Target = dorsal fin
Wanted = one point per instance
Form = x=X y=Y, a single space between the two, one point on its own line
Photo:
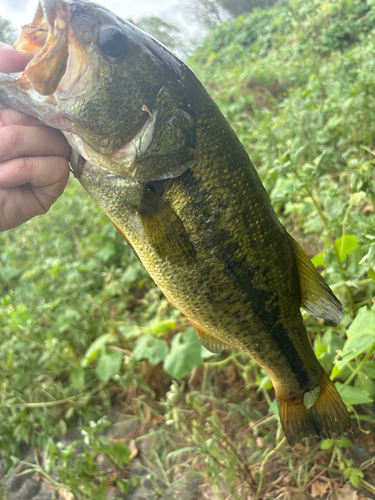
x=316 y=296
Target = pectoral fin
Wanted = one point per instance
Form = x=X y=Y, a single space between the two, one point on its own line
x=165 y=230
x=211 y=343
x=127 y=241
x=316 y=296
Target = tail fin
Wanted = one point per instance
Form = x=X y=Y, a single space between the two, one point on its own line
x=319 y=412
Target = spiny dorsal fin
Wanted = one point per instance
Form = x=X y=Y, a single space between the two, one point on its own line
x=316 y=296
x=211 y=343
x=165 y=230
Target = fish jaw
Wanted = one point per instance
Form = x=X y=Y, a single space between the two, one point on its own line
x=18 y=94
x=48 y=66
x=32 y=92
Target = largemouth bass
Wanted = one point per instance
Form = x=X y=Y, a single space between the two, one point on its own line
x=156 y=154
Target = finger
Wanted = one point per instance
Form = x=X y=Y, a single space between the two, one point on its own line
x=12 y=60
x=17 y=141
x=17 y=205
x=39 y=172
x=9 y=116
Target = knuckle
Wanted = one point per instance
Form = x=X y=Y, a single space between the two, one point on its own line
x=26 y=166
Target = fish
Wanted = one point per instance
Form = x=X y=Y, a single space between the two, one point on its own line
x=153 y=150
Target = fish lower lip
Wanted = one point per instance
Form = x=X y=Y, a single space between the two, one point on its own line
x=8 y=77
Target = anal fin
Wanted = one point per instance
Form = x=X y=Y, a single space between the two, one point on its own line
x=211 y=343
x=316 y=296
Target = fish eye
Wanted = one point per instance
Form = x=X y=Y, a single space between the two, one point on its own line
x=112 y=42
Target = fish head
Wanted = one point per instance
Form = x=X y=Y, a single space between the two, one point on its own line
x=112 y=89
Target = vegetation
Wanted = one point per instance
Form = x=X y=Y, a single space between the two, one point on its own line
x=84 y=328
x=166 y=33
x=7 y=33
x=210 y=13
x=238 y=7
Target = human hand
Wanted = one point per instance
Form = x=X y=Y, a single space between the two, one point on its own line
x=34 y=166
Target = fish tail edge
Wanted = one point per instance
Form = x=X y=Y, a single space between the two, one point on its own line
x=327 y=418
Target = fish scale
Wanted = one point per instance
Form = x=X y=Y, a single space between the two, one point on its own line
x=156 y=154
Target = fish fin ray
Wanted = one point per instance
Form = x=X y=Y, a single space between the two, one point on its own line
x=211 y=343
x=327 y=417
x=165 y=230
x=316 y=296
x=127 y=241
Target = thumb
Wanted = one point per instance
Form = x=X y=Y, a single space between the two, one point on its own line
x=12 y=60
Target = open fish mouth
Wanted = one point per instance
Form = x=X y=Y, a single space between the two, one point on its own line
x=47 y=38
x=61 y=70
x=59 y=59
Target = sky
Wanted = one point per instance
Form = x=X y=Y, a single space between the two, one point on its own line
x=21 y=12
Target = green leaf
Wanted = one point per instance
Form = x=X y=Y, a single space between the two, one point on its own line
x=106 y=251
x=95 y=348
x=206 y=354
x=355 y=475
x=77 y=378
x=109 y=364
x=158 y=351
x=327 y=444
x=346 y=245
x=365 y=382
x=273 y=408
x=371 y=274
x=163 y=326
x=318 y=260
x=128 y=331
x=9 y=272
x=335 y=371
x=131 y=275
x=150 y=348
x=120 y=453
x=353 y=395
x=369 y=369
x=343 y=443
x=361 y=336
x=264 y=383
x=326 y=348
x=185 y=354
x=141 y=348
x=123 y=485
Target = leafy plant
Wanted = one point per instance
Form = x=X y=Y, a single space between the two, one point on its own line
x=75 y=465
